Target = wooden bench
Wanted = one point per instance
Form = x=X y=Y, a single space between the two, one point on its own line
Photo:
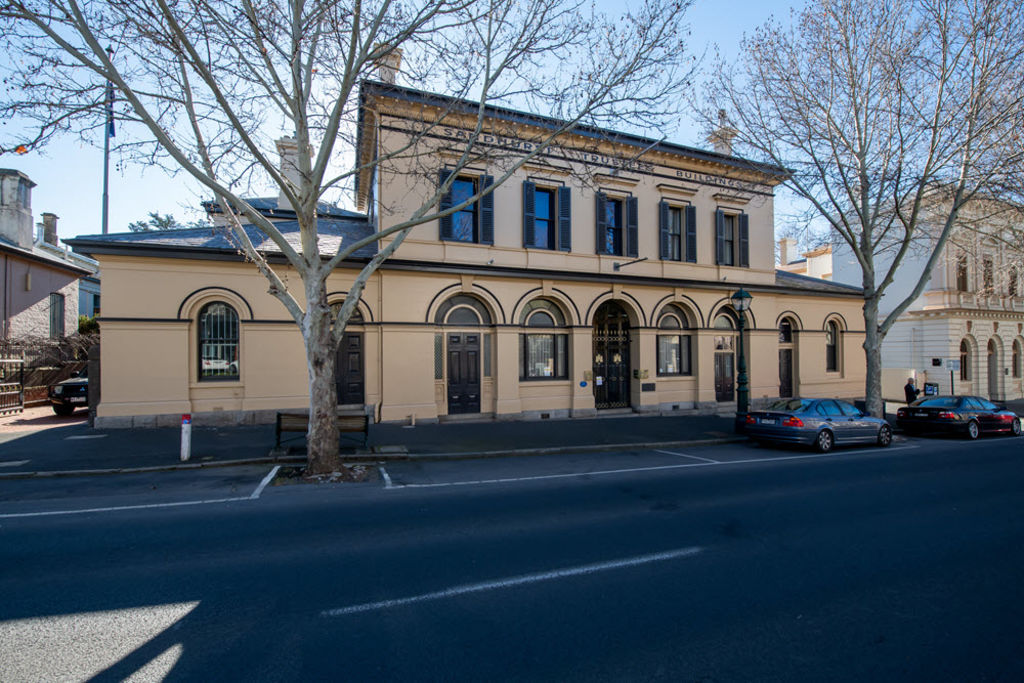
x=348 y=421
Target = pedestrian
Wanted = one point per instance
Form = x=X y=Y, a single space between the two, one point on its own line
x=911 y=391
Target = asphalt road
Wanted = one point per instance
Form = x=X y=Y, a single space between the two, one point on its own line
x=715 y=564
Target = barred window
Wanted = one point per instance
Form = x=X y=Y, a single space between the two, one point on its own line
x=218 y=342
x=674 y=349
x=544 y=356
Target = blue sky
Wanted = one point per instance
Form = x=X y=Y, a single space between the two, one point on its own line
x=69 y=173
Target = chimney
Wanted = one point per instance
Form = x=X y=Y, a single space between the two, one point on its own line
x=50 y=228
x=16 y=207
x=388 y=65
x=722 y=136
x=787 y=249
x=288 y=149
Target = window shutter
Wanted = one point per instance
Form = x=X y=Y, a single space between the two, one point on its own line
x=744 y=241
x=446 y=203
x=602 y=223
x=719 y=237
x=565 y=219
x=487 y=211
x=691 y=234
x=529 y=201
x=665 y=238
x=632 y=226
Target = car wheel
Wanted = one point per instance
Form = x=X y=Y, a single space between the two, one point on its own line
x=825 y=441
x=973 y=430
x=884 y=436
x=63 y=411
x=1015 y=426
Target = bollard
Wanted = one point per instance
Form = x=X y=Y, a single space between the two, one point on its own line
x=186 y=437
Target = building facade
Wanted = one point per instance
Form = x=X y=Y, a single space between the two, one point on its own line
x=596 y=278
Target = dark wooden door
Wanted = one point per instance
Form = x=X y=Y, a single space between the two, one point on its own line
x=724 y=377
x=348 y=369
x=463 y=373
x=611 y=357
x=785 y=373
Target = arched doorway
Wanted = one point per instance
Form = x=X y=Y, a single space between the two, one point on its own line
x=786 y=358
x=611 y=356
x=993 y=370
x=725 y=358
x=463 y=316
x=348 y=360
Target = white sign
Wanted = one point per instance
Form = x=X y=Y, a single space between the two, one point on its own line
x=953 y=364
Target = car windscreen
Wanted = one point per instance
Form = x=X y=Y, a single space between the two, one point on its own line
x=937 y=402
x=790 y=405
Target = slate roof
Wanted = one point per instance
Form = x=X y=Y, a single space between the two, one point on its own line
x=813 y=284
x=332 y=232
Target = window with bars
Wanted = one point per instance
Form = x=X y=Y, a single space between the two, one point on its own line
x=544 y=355
x=674 y=349
x=218 y=342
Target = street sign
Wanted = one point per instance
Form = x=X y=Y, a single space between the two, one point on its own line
x=953 y=364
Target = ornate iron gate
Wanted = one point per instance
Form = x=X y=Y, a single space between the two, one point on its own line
x=12 y=383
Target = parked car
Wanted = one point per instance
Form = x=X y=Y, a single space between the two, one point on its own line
x=70 y=394
x=966 y=415
x=819 y=422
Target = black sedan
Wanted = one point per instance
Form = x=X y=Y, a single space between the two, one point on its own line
x=70 y=394
x=967 y=415
x=819 y=422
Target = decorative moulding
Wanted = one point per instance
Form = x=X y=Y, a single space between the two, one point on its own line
x=679 y=191
x=621 y=181
x=733 y=199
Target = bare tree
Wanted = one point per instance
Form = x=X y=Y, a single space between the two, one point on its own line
x=892 y=116
x=206 y=86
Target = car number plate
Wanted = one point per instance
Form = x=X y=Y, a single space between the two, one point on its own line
x=77 y=399
x=920 y=414
x=767 y=420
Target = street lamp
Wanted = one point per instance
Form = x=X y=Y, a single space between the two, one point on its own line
x=741 y=303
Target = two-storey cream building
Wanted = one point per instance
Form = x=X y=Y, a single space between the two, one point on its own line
x=595 y=278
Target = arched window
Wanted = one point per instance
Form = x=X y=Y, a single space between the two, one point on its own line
x=462 y=309
x=218 y=342
x=961 y=273
x=674 y=342
x=965 y=361
x=724 y=321
x=544 y=355
x=356 y=318
x=786 y=331
x=1016 y=361
x=832 y=346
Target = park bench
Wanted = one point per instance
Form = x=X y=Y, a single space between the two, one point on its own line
x=349 y=422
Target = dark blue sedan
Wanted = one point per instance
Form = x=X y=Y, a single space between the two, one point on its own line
x=819 y=422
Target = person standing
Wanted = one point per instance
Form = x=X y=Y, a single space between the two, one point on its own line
x=911 y=391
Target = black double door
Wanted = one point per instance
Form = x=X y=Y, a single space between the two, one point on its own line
x=611 y=357
x=348 y=369
x=463 y=373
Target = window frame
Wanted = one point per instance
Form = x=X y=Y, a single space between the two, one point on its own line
x=543 y=319
x=683 y=350
x=58 y=315
x=962 y=274
x=832 y=354
x=965 y=361
x=226 y=340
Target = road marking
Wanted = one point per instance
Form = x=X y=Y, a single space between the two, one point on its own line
x=263 y=484
x=85 y=436
x=52 y=513
x=630 y=470
x=515 y=581
x=387 y=478
x=14 y=463
x=687 y=455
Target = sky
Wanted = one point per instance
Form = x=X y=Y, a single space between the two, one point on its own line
x=69 y=173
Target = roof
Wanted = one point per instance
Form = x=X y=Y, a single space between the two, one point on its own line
x=550 y=123
x=218 y=240
x=41 y=256
x=269 y=206
x=794 y=281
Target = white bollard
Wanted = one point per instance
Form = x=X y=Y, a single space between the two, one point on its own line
x=186 y=437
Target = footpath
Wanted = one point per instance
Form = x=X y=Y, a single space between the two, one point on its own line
x=36 y=444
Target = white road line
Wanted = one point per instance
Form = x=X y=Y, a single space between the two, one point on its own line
x=687 y=455
x=387 y=478
x=14 y=463
x=515 y=581
x=85 y=436
x=630 y=470
x=263 y=484
x=120 y=507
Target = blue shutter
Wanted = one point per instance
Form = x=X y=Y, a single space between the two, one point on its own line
x=602 y=223
x=632 y=226
x=665 y=238
x=691 y=234
x=486 y=211
x=529 y=222
x=446 y=203
x=565 y=219
x=744 y=241
x=719 y=237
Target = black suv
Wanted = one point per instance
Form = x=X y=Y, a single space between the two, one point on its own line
x=71 y=393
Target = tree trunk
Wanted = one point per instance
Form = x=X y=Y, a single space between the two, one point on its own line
x=873 y=352
x=322 y=437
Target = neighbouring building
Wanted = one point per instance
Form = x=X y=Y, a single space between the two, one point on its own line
x=548 y=298
x=39 y=290
x=964 y=332
x=816 y=263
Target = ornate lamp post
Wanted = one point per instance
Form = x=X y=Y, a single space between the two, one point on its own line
x=741 y=302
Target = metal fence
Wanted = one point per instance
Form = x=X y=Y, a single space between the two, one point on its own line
x=12 y=383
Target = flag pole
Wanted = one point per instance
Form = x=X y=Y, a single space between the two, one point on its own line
x=108 y=132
